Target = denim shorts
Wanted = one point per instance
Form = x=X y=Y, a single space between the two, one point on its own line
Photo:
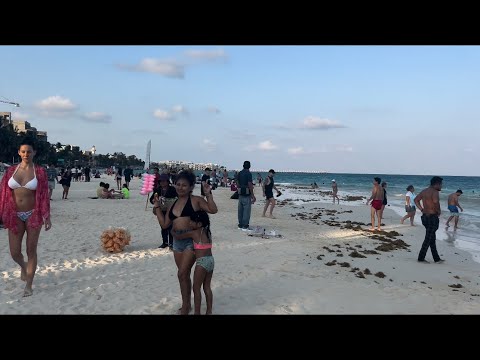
x=206 y=262
x=182 y=245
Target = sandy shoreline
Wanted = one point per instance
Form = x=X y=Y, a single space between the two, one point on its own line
x=252 y=275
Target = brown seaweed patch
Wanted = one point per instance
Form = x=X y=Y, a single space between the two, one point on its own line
x=370 y=252
x=456 y=286
x=360 y=275
x=353 y=198
x=356 y=254
x=328 y=249
x=385 y=247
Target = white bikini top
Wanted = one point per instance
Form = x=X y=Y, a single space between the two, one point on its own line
x=31 y=185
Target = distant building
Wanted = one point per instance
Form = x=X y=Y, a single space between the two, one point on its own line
x=5 y=118
x=42 y=135
x=24 y=127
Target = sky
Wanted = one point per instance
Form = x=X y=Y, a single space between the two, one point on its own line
x=348 y=109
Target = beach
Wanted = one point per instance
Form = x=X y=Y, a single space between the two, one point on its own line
x=312 y=268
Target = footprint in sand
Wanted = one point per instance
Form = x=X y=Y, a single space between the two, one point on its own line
x=10 y=285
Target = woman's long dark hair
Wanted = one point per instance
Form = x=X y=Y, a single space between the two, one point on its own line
x=187 y=175
x=201 y=216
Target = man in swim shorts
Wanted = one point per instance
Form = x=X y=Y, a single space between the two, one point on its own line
x=377 y=202
x=453 y=206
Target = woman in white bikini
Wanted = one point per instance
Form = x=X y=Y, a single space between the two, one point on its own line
x=25 y=207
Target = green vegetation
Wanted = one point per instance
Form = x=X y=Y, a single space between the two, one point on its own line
x=59 y=154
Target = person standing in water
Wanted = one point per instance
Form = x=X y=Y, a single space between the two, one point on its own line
x=453 y=206
x=335 y=191
x=377 y=203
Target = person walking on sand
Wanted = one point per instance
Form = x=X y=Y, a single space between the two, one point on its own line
x=25 y=207
x=128 y=174
x=377 y=202
x=259 y=179
x=268 y=186
x=167 y=195
x=453 y=206
x=178 y=215
x=66 y=181
x=118 y=175
x=202 y=244
x=410 y=205
x=245 y=196
x=205 y=180
x=52 y=178
x=335 y=191
x=384 y=203
x=430 y=209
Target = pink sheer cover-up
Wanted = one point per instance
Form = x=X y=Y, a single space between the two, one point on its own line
x=8 y=209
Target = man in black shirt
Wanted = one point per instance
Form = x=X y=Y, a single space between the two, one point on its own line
x=245 y=196
x=205 y=179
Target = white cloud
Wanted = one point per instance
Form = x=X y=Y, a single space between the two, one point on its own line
x=56 y=105
x=214 y=110
x=97 y=117
x=312 y=122
x=169 y=68
x=208 y=55
x=179 y=109
x=296 y=151
x=267 y=145
x=468 y=149
x=17 y=115
x=325 y=148
x=209 y=145
x=162 y=114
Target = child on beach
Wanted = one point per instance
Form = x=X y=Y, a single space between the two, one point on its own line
x=202 y=244
x=125 y=191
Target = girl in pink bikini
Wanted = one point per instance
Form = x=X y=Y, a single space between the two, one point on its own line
x=202 y=244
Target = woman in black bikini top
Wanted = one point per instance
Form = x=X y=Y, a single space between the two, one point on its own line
x=187 y=210
x=182 y=242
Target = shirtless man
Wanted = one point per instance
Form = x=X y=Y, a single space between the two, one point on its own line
x=377 y=203
x=453 y=206
x=334 y=191
x=430 y=217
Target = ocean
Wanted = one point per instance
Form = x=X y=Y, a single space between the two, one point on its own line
x=466 y=237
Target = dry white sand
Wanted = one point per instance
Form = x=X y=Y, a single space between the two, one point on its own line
x=252 y=275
